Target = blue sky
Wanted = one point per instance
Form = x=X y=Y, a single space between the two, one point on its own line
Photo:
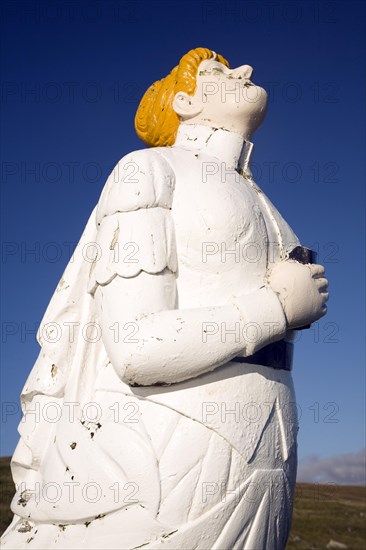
x=73 y=74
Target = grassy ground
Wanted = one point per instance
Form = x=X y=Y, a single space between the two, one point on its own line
x=328 y=512
x=322 y=513
x=6 y=493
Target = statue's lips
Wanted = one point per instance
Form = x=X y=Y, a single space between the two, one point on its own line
x=252 y=92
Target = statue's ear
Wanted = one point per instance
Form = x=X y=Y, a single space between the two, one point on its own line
x=186 y=106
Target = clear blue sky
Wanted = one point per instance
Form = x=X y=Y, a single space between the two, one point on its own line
x=73 y=74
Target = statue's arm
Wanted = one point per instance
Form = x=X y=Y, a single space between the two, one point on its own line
x=148 y=338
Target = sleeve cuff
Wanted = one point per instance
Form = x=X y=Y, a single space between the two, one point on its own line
x=262 y=317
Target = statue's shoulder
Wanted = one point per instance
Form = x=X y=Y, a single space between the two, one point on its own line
x=141 y=179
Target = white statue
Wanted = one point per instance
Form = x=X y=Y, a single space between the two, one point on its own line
x=161 y=412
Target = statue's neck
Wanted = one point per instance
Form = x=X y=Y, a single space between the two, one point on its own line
x=228 y=147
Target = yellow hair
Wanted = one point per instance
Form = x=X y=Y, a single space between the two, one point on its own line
x=156 y=122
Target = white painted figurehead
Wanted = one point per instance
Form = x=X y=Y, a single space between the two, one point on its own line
x=182 y=429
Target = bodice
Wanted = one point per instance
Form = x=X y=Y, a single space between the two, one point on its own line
x=227 y=231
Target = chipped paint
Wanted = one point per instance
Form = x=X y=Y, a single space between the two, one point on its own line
x=115 y=238
x=62 y=285
x=24 y=498
x=25 y=527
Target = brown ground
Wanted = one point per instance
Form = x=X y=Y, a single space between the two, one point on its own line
x=328 y=512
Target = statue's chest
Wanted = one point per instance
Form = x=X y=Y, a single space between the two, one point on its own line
x=215 y=212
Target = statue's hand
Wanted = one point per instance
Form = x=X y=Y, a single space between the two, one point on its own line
x=302 y=290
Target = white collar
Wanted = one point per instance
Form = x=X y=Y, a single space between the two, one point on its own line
x=229 y=147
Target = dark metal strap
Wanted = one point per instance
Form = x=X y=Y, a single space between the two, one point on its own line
x=276 y=356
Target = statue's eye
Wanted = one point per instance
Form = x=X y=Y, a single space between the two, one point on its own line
x=214 y=70
x=211 y=71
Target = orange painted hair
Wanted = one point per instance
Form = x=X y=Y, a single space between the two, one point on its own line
x=156 y=122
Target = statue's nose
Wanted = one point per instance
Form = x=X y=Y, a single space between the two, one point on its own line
x=245 y=71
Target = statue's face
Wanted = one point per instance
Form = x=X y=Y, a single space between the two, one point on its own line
x=227 y=98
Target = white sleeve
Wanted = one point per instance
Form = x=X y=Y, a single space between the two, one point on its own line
x=135 y=227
